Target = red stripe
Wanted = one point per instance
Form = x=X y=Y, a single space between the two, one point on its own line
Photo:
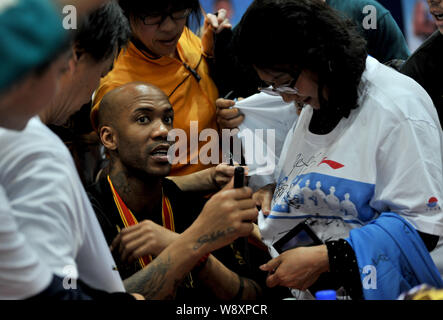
x=333 y=164
x=166 y=214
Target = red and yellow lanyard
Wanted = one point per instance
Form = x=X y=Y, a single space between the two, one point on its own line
x=129 y=219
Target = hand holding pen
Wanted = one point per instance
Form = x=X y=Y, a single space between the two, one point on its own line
x=227 y=116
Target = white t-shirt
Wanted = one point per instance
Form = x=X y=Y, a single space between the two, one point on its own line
x=22 y=273
x=52 y=209
x=386 y=156
x=263 y=132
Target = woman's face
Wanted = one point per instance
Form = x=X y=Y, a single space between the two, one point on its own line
x=161 y=38
x=307 y=84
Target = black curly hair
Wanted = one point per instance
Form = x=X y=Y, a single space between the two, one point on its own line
x=136 y=8
x=103 y=31
x=306 y=34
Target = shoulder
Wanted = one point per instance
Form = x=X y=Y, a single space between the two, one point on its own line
x=37 y=143
x=191 y=37
x=393 y=97
x=190 y=42
x=38 y=171
x=100 y=196
x=425 y=54
x=170 y=187
x=358 y=8
x=42 y=184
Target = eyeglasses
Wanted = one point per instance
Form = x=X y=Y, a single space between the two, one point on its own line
x=157 y=19
x=284 y=89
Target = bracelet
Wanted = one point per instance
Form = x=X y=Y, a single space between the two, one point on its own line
x=344 y=267
x=201 y=263
x=240 y=289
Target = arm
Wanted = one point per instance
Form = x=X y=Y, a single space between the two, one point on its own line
x=149 y=238
x=227 y=285
x=213 y=24
x=22 y=273
x=211 y=179
x=45 y=202
x=223 y=219
x=297 y=268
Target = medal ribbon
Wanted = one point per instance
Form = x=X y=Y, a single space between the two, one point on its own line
x=129 y=219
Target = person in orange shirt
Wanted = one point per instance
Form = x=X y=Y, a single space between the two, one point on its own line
x=164 y=52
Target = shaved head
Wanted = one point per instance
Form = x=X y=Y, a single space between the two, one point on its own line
x=119 y=100
x=134 y=122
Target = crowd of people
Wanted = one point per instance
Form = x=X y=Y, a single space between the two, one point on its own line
x=93 y=208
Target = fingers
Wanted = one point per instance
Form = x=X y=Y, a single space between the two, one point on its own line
x=228 y=117
x=224 y=103
x=222 y=15
x=229 y=114
x=129 y=252
x=266 y=204
x=271 y=265
x=229 y=185
x=225 y=169
x=263 y=199
x=245 y=229
x=228 y=170
x=212 y=20
x=239 y=193
x=140 y=251
x=231 y=124
x=130 y=233
x=273 y=280
x=248 y=216
x=138 y=296
x=218 y=22
x=116 y=242
x=246 y=204
x=223 y=25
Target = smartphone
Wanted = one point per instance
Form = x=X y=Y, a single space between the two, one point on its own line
x=300 y=236
x=239 y=177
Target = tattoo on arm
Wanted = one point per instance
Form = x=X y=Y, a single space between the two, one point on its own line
x=150 y=280
x=208 y=238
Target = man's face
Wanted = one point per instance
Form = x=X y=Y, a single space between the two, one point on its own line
x=77 y=87
x=32 y=95
x=436 y=8
x=142 y=129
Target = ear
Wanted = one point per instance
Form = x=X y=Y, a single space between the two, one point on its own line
x=109 y=138
x=72 y=63
x=78 y=53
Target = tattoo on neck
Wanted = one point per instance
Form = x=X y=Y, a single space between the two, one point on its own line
x=208 y=238
x=120 y=182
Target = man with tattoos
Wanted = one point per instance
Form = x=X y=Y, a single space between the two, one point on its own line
x=142 y=213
